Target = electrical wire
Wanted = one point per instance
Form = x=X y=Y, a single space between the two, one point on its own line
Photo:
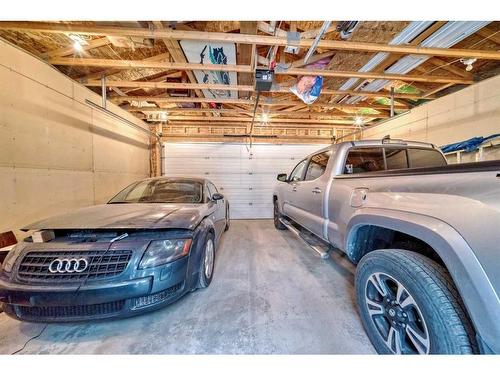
x=31 y=339
x=457 y=60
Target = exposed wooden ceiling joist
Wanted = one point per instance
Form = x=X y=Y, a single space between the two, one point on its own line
x=203 y=86
x=245 y=38
x=262 y=102
x=91 y=44
x=129 y=64
x=300 y=114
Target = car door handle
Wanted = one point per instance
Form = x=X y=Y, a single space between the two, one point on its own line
x=294 y=188
x=316 y=190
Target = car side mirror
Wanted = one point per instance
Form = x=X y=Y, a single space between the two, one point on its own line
x=217 y=197
x=282 y=177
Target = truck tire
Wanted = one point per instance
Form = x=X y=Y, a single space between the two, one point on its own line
x=409 y=305
x=277 y=216
x=207 y=264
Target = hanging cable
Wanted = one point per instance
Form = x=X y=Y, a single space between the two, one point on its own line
x=253 y=117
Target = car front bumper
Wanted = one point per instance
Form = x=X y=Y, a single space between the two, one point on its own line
x=152 y=289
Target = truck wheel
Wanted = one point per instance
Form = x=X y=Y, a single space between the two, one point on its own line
x=409 y=305
x=207 y=263
x=277 y=216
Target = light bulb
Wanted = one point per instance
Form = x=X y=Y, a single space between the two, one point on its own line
x=77 y=46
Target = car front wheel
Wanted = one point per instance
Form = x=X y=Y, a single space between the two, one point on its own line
x=409 y=305
x=206 y=271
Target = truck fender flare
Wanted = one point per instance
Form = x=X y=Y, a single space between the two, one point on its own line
x=476 y=290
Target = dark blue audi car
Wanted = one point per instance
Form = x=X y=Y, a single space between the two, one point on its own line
x=152 y=243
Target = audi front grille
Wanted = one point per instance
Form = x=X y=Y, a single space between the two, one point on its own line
x=101 y=264
x=75 y=312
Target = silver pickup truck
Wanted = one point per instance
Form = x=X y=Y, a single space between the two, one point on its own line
x=425 y=237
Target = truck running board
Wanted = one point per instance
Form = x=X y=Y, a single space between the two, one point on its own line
x=323 y=253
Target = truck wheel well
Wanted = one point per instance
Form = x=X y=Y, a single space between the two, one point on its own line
x=367 y=238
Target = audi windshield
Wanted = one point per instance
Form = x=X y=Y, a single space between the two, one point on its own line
x=161 y=191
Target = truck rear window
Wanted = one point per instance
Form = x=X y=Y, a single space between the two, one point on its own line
x=420 y=158
x=364 y=160
x=371 y=159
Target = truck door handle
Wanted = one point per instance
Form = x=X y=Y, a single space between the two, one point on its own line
x=316 y=190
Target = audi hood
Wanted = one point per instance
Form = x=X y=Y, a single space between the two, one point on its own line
x=127 y=216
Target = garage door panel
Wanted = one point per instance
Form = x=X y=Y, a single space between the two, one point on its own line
x=255 y=211
x=202 y=150
x=246 y=179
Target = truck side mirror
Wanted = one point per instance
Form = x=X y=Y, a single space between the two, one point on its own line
x=282 y=177
x=217 y=196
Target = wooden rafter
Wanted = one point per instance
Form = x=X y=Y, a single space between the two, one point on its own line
x=201 y=86
x=244 y=38
x=130 y=64
x=240 y=111
x=95 y=43
x=263 y=102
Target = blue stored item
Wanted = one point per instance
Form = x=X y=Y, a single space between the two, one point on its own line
x=468 y=145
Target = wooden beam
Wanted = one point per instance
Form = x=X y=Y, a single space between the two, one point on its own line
x=262 y=102
x=175 y=50
x=245 y=55
x=48 y=27
x=440 y=88
x=487 y=33
x=441 y=64
x=258 y=119
x=114 y=70
x=130 y=64
x=203 y=86
x=95 y=43
x=299 y=114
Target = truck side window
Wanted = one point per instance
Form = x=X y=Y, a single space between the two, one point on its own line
x=317 y=165
x=298 y=171
x=396 y=158
x=421 y=158
x=362 y=160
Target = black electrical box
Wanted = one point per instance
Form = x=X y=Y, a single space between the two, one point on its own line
x=264 y=79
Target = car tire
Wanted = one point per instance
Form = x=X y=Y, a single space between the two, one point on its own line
x=409 y=305
x=228 y=220
x=277 y=216
x=207 y=263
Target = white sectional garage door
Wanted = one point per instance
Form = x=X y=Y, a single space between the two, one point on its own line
x=246 y=178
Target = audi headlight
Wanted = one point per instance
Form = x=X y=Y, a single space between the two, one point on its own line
x=164 y=251
x=11 y=257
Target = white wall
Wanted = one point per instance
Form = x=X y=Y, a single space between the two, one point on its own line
x=56 y=152
x=470 y=112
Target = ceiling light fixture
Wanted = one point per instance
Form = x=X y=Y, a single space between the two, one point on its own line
x=78 y=42
x=468 y=63
x=265 y=117
x=358 y=121
x=77 y=47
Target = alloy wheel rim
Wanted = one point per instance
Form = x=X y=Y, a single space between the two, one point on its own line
x=209 y=258
x=396 y=316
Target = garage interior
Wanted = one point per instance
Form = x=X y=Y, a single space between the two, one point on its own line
x=87 y=108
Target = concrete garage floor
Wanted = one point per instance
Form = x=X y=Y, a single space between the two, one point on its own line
x=270 y=295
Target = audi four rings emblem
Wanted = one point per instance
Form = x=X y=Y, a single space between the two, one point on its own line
x=68 y=265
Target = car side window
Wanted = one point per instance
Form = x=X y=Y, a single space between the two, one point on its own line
x=317 y=165
x=298 y=171
x=210 y=190
x=363 y=160
x=396 y=158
